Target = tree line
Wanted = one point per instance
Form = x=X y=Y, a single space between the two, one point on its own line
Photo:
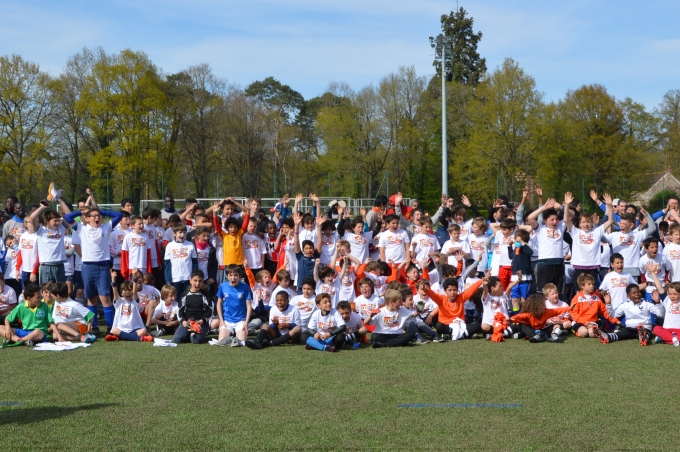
x=120 y=125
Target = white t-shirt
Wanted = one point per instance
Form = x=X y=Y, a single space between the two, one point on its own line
x=346 y=289
x=288 y=315
x=364 y=305
x=11 y=263
x=325 y=323
x=203 y=258
x=145 y=295
x=500 y=251
x=390 y=322
x=7 y=297
x=331 y=289
x=95 y=242
x=70 y=260
x=493 y=304
x=180 y=256
x=379 y=283
x=478 y=246
x=637 y=314
x=585 y=248
x=462 y=245
x=358 y=244
x=661 y=267
x=138 y=247
x=551 y=241
x=306 y=234
x=328 y=245
x=615 y=284
x=465 y=229
x=116 y=245
x=428 y=306
x=253 y=250
x=354 y=324
x=150 y=232
x=671 y=318
x=127 y=316
x=425 y=244
x=393 y=242
x=672 y=253
x=560 y=304
x=169 y=311
x=29 y=251
x=51 y=244
x=69 y=311
x=628 y=245
x=264 y=293
x=305 y=306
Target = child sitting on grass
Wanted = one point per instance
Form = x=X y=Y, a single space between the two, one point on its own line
x=283 y=326
x=326 y=326
x=419 y=313
x=552 y=301
x=71 y=319
x=390 y=323
x=194 y=313
x=495 y=300
x=532 y=320
x=165 y=315
x=35 y=318
x=306 y=306
x=356 y=330
x=451 y=317
x=586 y=308
x=127 y=323
x=637 y=314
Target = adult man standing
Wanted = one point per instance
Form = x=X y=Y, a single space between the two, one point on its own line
x=9 y=207
x=169 y=207
x=378 y=211
x=15 y=225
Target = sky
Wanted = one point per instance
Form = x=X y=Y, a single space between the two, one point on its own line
x=632 y=48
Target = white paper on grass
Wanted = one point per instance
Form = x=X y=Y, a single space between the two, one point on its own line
x=158 y=342
x=59 y=346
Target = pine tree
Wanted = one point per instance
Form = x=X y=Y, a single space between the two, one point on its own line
x=467 y=67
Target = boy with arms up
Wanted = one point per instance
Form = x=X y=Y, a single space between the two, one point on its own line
x=180 y=259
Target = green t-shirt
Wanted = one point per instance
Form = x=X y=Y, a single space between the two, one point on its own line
x=38 y=318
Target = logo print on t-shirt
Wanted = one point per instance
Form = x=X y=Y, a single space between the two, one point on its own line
x=552 y=233
x=674 y=254
x=586 y=238
x=126 y=309
x=180 y=253
x=395 y=240
x=359 y=239
x=391 y=321
x=626 y=240
x=61 y=311
x=138 y=241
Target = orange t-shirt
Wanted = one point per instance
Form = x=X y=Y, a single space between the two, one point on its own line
x=534 y=322
x=450 y=310
x=587 y=308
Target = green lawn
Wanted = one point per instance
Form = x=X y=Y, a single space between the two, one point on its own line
x=579 y=395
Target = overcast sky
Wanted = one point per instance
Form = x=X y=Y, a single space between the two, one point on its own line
x=633 y=48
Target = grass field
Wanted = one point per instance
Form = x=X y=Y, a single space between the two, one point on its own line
x=579 y=395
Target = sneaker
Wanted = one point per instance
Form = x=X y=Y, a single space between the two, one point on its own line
x=253 y=345
x=554 y=337
x=658 y=340
x=111 y=337
x=224 y=341
x=437 y=338
x=158 y=333
x=515 y=335
x=252 y=332
x=600 y=335
x=213 y=332
x=643 y=335
x=307 y=347
x=356 y=345
x=235 y=342
x=91 y=338
x=96 y=331
x=536 y=338
x=29 y=343
x=421 y=340
x=488 y=337
x=330 y=348
x=447 y=337
x=146 y=338
x=377 y=345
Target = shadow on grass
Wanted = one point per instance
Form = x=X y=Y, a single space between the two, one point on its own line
x=39 y=414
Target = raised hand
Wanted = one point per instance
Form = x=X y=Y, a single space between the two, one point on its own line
x=525 y=192
x=313 y=197
x=397 y=199
x=298 y=198
x=362 y=212
x=607 y=199
x=445 y=199
x=593 y=196
x=286 y=199
x=568 y=198
x=466 y=202
x=320 y=220
x=538 y=190
x=297 y=218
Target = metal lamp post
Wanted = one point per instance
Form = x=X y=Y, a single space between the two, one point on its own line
x=441 y=44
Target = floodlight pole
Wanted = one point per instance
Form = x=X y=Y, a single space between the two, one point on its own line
x=440 y=44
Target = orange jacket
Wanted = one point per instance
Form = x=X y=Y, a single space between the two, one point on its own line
x=534 y=322
x=450 y=310
x=588 y=309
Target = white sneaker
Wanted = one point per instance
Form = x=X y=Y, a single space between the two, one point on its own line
x=236 y=343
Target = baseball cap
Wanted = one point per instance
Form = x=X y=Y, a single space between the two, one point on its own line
x=277 y=208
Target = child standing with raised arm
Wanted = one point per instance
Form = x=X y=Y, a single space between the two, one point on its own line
x=135 y=251
x=50 y=243
x=305 y=252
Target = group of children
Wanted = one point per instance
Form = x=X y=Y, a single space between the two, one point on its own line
x=331 y=281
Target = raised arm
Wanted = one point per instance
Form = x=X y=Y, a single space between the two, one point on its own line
x=609 y=212
x=532 y=219
x=33 y=218
x=319 y=241
x=568 y=217
x=90 y=199
x=297 y=219
x=651 y=225
x=317 y=204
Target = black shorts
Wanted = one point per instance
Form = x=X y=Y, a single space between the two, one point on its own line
x=575 y=326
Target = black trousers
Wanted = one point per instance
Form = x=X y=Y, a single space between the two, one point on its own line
x=396 y=340
x=472 y=328
x=528 y=331
x=546 y=274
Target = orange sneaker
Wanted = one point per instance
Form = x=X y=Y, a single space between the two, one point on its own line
x=111 y=337
x=147 y=338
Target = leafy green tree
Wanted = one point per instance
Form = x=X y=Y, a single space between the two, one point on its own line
x=467 y=66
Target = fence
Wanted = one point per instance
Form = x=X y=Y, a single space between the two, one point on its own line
x=354 y=204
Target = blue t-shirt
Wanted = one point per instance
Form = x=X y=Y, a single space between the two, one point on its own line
x=305 y=266
x=234 y=301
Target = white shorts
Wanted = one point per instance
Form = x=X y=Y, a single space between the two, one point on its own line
x=234 y=327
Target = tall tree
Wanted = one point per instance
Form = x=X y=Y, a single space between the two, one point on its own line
x=467 y=66
x=24 y=109
x=668 y=113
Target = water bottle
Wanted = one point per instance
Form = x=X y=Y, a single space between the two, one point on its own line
x=676 y=342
